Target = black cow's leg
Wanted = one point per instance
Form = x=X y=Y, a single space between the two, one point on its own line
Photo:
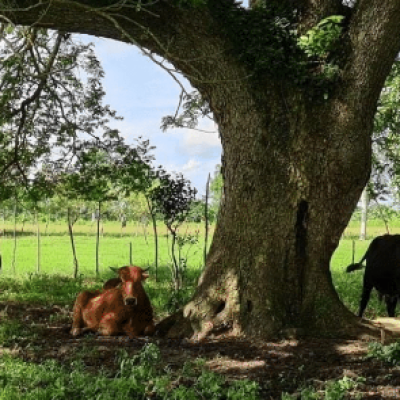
x=366 y=293
x=391 y=302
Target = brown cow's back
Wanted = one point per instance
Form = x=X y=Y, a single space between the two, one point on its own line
x=112 y=283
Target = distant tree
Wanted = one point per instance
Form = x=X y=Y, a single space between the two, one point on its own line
x=206 y=219
x=196 y=211
x=137 y=207
x=138 y=178
x=33 y=192
x=66 y=190
x=364 y=214
x=172 y=197
x=385 y=176
x=216 y=189
x=90 y=178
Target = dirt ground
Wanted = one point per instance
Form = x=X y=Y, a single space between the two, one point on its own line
x=279 y=367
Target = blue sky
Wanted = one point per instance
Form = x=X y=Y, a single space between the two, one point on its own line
x=142 y=93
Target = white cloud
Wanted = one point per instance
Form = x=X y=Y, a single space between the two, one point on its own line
x=196 y=172
x=191 y=165
x=200 y=144
x=204 y=144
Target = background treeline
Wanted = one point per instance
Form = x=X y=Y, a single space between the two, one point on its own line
x=130 y=210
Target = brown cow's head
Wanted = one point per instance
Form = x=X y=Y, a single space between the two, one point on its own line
x=131 y=277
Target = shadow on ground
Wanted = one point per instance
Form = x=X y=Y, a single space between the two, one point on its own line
x=282 y=366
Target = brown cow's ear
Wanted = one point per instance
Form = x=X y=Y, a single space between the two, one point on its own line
x=145 y=276
x=116 y=270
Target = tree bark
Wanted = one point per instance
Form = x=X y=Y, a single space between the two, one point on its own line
x=153 y=219
x=206 y=219
x=38 y=239
x=14 y=258
x=98 y=240
x=364 y=214
x=294 y=168
x=71 y=236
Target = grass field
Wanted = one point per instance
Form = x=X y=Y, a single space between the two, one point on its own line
x=56 y=258
x=56 y=253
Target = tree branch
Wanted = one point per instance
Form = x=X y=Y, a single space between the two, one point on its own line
x=185 y=36
x=374 y=33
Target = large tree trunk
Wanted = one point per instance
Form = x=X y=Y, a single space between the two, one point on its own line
x=288 y=197
x=294 y=163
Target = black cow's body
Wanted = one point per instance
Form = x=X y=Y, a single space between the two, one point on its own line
x=382 y=271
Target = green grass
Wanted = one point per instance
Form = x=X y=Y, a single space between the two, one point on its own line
x=56 y=251
x=374 y=228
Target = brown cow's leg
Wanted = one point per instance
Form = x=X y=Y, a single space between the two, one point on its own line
x=108 y=326
x=78 y=322
x=150 y=329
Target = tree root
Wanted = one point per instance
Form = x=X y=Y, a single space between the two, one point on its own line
x=384 y=330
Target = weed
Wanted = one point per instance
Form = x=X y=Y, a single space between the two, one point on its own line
x=389 y=353
x=334 y=390
x=12 y=331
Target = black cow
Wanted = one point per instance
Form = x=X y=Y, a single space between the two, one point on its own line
x=382 y=271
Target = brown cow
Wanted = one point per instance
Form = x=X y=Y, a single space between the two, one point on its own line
x=124 y=309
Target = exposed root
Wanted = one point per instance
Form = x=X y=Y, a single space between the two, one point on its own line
x=175 y=327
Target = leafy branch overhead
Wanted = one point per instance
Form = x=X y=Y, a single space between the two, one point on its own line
x=45 y=105
x=194 y=107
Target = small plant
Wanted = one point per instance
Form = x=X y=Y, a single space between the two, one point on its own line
x=241 y=390
x=141 y=365
x=334 y=390
x=181 y=241
x=306 y=394
x=209 y=384
x=320 y=42
x=389 y=353
x=138 y=378
x=323 y=38
x=177 y=299
x=172 y=197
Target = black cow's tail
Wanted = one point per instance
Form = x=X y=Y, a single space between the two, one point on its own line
x=354 y=267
